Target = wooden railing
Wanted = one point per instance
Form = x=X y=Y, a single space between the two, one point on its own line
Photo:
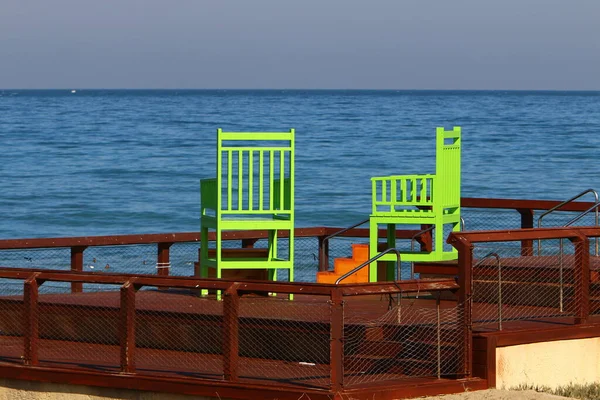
x=164 y=241
x=465 y=243
x=38 y=313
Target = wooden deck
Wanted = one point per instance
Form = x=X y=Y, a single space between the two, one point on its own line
x=179 y=336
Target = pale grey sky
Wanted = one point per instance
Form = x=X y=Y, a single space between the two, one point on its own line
x=366 y=44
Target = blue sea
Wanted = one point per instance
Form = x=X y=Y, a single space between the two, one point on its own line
x=98 y=162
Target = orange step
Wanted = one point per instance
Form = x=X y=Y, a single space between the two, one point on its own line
x=360 y=252
x=343 y=265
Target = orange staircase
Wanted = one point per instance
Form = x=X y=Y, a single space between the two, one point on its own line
x=360 y=254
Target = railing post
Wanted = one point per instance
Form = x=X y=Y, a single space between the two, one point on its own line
x=526 y=222
x=582 y=279
x=465 y=295
x=248 y=243
x=163 y=262
x=231 y=326
x=439 y=336
x=425 y=240
x=31 y=320
x=77 y=266
x=127 y=327
x=336 y=349
x=323 y=253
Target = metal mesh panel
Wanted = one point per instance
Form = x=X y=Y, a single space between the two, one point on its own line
x=306 y=259
x=594 y=294
x=509 y=287
x=11 y=320
x=79 y=330
x=413 y=339
x=285 y=341
x=54 y=258
x=564 y=218
x=127 y=259
x=485 y=219
x=182 y=258
x=178 y=332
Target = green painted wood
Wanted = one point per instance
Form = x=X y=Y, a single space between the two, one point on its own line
x=246 y=196
x=420 y=199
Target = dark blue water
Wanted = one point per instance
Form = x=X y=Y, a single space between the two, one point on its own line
x=115 y=162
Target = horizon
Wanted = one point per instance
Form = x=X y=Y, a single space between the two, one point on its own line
x=69 y=89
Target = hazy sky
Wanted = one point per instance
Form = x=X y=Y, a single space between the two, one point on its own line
x=378 y=44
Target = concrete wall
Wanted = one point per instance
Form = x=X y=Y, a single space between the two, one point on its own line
x=550 y=364
x=29 y=390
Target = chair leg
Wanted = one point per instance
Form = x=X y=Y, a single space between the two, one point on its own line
x=272 y=244
x=391 y=243
x=203 y=267
x=291 y=279
x=438 y=247
x=373 y=234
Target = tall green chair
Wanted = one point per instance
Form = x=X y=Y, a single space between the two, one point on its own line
x=253 y=191
x=419 y=200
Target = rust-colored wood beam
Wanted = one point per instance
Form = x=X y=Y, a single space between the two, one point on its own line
x=465 y=298
x=231 y=327
x=31 y=320
x=470 y=202
x=77 y=266
x=514 y=235
x=526 y=223
x=127 y=327
x=163 y=262
x=336 y=326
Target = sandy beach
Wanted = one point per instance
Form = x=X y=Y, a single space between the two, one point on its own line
x=496 y=394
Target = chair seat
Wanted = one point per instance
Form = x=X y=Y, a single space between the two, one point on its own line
x=250 y=263
x=255 y=224
x=420 y=214
x=416 y=256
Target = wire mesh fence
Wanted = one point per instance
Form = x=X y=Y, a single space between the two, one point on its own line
x=261 y=337
x=594 y=290
x=486 y=219
x=88 y=322
x=419 y=336
x=509 y=287
x=11 y=321
x=285 y=342
x=182 y=257
x=36 y=258
x=126 y=259
x=178 y=332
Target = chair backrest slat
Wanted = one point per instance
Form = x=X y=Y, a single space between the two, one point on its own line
x=448 y=166
x=251 y=167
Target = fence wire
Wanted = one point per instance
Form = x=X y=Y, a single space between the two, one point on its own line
x=79 y=330
x=178 y=332
x=37 y=258
x=11 y=320
x=412 y=339
x=285 y=342
x=127 y=259
x=182 y=258
x=509 y=287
